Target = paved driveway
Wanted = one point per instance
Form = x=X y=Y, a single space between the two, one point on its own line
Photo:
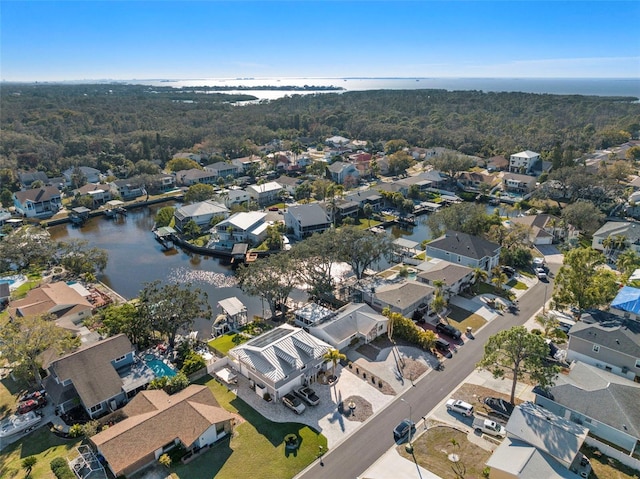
x=324 y=417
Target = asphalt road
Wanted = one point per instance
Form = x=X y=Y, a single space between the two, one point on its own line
x=362 y=448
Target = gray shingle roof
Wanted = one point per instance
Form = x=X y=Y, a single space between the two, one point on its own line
x=464 y=244
x=309 y=215
x=619 y=335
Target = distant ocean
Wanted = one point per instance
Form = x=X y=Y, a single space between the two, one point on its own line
x=560 y=86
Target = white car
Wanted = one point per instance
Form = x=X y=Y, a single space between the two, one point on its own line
x=541 y=273
x=460 y=407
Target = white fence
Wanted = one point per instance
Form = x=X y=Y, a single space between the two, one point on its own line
x=609 y=451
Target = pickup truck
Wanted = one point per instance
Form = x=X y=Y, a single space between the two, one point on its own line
x=490 y=427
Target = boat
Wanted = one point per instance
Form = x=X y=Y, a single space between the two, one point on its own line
x=17 y=423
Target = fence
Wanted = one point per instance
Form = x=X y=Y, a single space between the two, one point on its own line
x=613 y=453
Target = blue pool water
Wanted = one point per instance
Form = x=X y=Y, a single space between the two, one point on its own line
x=160 y=369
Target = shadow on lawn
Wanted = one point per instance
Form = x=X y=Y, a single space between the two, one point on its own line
x=209 y=464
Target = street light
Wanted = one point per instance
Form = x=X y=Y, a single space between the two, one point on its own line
x=409 y=446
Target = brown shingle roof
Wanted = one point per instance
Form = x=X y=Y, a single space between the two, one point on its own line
x=154 y=419
x=38 y=195
x=52 y=297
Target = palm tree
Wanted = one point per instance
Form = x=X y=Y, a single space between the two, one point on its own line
x=628 y=261
x=438 y=303
x=479 y=274
x=334 y=356
x=498 y=278
x=607 y=245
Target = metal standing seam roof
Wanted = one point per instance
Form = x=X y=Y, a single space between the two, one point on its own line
x=277 y=352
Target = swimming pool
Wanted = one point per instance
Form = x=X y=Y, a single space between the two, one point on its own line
x=159 y=368
x=14 y=281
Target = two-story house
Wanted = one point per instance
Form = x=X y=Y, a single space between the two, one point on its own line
x=547 y=229
x=518 y=183
x=265 y=193
x=340 y=172
x=128 y=189
x=281 y=359
x=222 y=169
x=195 y=176
x=626 y=304
x=38 y=202
x=27 y=178
x=454 y=277
x=629 y=231
x=523 y=162
x=606 y=341
x=465 y=249
x=201 y=213
x=246 y=163
x=91 y=175
x=160 y=183
x=244 y=227
x=101 y=377
x=585 y=395
x=305 y=220
x=98 y=193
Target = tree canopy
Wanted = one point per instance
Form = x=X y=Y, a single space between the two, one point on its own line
x=519 y=352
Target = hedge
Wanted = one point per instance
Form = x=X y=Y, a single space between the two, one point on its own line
x=61 y=469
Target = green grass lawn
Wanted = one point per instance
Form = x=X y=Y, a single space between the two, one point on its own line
x=40 y=443
x=256 y=449
x=227 y=341
x=515 y=284
x=462 y=319
x=9 y=393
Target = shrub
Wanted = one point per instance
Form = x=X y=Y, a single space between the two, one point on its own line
x=165 y=460
x=61 y=469
x=75 y=431
x=192 y=363
x=176 y=383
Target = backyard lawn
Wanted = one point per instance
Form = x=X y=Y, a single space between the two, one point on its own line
x=256 y=449
x=40 y=443
x=227 y=341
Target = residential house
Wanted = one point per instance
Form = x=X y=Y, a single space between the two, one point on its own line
x=155 y=423
x=311 y=314
x=465 y=249
x=27 y=178
x=233 y=316
x=497 y=163
x=59 y=299
x=424 y=181
x=363 y=197
x=234 y=195
x=340 y=209
x=518 y=183
x=585 y=396
x=523 y=162
x=606 y=341
x=289 y=184
x=160 y=183
x=455 y=278
x=337 y=141
x=195 y=176
x=222 y=169
x=91 y=175
x=265 y=193
x=189 y=156
x=539 y=444
x=305 y=220
x=244 y=227
x=128 y=189
x=245 y=164
x=475 y=181
x=98 y=193
x=280 y=359
x=38 y=202
x=546 y=229
x=352 y=323
x=401 y=296
x=101 y=377
x=201 y=213
x=626 y=230
x=343 y=173
x=626 y=304
x=5 y=293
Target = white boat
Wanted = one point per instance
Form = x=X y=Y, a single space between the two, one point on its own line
x=17 y=423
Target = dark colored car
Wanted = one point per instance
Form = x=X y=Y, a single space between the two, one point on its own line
x=293 y=403
x=448 y=330
x=508 y=270
x=442 y=345
x=542 y=392
x=402 y=429
x=499 y=406
x=308 y=395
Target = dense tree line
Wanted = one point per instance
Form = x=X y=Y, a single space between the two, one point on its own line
x=53 y=127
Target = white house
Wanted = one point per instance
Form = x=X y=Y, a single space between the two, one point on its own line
x=305 y=220
x=266 y=193
x=279 y=360
x=38 y=202
x=201 y=213
x=244 y=227
x=465 y=249
x=523 y=162
x=351 y=323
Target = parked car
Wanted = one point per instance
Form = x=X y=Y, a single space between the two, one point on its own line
x=508 y=270
x=460 y=407
x=448 y=330
x=31 y=405
x=499 y=406
x=308 y=395
x=442 y=345
x=402 y=429
x=293 y=403
x=33 y=395
x=541 y=273
x=490 y=427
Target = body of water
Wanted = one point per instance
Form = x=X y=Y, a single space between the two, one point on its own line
x=557 y=86
x=135 y=258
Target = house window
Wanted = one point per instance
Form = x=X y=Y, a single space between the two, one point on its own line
x=638 y=363
x=96 y=408
x=121 y=358
x=596 y=348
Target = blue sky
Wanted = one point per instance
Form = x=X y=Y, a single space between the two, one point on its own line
x=46 y=40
